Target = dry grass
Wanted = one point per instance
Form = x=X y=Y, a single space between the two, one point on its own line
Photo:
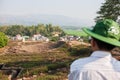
x=50 y=65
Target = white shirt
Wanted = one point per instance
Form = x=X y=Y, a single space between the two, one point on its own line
x=99 y=66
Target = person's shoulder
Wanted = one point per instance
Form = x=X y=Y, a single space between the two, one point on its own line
x=82 y=61
x=79 y=60
x=116 y=64
x=79 y=63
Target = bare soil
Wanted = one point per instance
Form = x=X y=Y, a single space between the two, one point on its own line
x=27 y=47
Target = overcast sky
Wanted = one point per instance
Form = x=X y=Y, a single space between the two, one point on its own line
x=82 y=9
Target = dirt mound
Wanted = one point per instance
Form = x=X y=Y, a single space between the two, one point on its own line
x=41 y=47
x=29 y=47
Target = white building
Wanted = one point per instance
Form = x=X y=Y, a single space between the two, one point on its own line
x=38 y=37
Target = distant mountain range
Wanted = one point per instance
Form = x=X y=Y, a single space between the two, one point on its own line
x=40 y=19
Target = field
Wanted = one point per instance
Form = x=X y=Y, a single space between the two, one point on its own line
x=40 y=61
x=75 y=32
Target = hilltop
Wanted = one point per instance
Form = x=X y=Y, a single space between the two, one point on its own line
x=35 y=19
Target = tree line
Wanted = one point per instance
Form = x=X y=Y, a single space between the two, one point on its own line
x=110 y=9
x=45 y=30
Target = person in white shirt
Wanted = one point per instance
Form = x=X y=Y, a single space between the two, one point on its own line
x=100 y=65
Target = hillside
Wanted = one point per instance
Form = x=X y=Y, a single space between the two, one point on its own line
x=40 y=18
x=39 y=60
x=42 y=60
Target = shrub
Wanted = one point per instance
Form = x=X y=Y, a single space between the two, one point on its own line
x=56 y=66
x=80 y=51
x=3 y=40
x=54 y=39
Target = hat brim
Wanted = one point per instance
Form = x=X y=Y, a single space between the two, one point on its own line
x=102 y=38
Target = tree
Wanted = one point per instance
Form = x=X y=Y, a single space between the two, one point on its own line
x=3 y=40
x=15 y=29
x=3 y=29
x=110 y=10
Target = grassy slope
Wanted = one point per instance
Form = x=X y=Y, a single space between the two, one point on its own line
x=75 y=32
x=47 y=64
x=53 y=65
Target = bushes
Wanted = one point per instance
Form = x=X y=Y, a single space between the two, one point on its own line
x=56 y=66
x=3 y=40
x=81 y=51
x=54 y=39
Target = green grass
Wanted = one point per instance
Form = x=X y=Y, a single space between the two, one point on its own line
x=75 y=32
x=49 y=64
x=51 y=77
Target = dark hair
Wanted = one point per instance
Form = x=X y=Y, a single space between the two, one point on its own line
x=103 y=45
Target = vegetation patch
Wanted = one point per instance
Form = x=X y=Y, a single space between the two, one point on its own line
x=75 y=32
x=50 y=65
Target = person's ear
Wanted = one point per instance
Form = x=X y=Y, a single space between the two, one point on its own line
x=93 y=44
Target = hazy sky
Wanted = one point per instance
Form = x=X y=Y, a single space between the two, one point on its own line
x=82 y=9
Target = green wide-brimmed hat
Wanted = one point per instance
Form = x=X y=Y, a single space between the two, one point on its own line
x=105 y=30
